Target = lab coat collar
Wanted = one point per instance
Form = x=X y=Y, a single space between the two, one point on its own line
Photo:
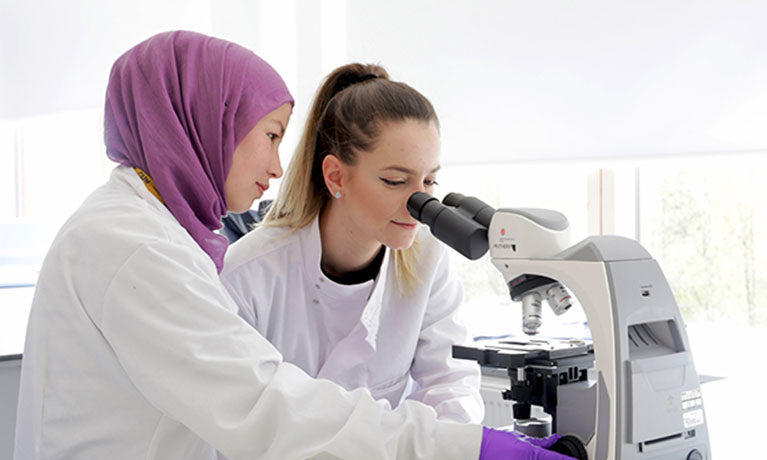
x=129 y=177
x=311 y=245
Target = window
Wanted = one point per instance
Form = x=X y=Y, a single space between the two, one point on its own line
x=48 y=165
x=7 y=171
x=704 y=221
x=62 y=159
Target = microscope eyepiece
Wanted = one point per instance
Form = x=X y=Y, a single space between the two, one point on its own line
x=453 y=199
x=450 y=226
x=424 y=207
x=471 y=207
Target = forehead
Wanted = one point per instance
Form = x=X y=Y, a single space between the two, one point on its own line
x=279 y=115
x=413 y=144
x=284 y=111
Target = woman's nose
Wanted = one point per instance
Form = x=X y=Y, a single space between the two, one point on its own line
x=275 y=169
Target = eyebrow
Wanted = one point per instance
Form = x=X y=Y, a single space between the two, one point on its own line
x=408 y=171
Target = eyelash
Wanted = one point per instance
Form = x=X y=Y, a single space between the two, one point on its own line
x=429 y=183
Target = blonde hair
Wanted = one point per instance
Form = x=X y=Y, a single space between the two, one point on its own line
x=346 y=118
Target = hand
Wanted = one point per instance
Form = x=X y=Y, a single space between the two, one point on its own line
x=508 y=445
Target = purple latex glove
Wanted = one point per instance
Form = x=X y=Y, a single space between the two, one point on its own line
x=508 y=445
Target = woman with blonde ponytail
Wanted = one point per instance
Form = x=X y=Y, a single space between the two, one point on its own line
x=348 y=287
x=341 y=278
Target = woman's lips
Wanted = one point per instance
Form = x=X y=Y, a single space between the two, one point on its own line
x=405 y=225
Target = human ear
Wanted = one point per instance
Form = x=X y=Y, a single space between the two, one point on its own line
x=334 y=173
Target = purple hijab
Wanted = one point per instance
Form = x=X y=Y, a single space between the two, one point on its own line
x=177 y=105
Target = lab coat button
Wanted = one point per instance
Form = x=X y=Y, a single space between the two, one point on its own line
x=315 y=301
x=317 y=286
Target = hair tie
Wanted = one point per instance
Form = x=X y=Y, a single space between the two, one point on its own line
x=351 y=80
x=367 y=76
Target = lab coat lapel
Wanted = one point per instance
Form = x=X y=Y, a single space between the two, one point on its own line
x=350 y=355
x=371 y=315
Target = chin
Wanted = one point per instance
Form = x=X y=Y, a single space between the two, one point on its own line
x=399 y=243
x=239 y=208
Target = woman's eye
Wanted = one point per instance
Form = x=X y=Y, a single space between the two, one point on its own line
x=430 y=182
x=272 y=136
x=391 y=182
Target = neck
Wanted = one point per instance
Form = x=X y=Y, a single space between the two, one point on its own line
x=345 y=249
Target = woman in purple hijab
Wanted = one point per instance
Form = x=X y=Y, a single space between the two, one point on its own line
x=177 y=106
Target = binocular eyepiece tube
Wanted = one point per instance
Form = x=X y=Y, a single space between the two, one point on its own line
x=460 y=222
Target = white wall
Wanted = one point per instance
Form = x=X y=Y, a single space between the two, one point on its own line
x=511 y=79
x=522 y=79
x=56 y=55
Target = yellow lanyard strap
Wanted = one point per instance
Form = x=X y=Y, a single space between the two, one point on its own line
x=149 y=184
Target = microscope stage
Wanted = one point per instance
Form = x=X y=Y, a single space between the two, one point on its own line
x=516 y=352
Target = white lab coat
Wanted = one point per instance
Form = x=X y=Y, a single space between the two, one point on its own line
x=369 y=335
x=135 y=351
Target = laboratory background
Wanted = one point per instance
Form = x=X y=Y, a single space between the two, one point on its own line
x=645 y=119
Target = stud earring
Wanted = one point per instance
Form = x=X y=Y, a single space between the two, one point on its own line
x=337 y=194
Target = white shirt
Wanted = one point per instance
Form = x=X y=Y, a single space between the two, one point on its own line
x=135 y=351
x=369 y=335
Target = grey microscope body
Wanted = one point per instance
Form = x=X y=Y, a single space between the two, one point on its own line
x=633 y=392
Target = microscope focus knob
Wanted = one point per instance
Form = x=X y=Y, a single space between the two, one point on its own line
x=695 y=455
x=571 y=446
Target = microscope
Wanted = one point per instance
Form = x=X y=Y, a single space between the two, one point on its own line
x=631 y=392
